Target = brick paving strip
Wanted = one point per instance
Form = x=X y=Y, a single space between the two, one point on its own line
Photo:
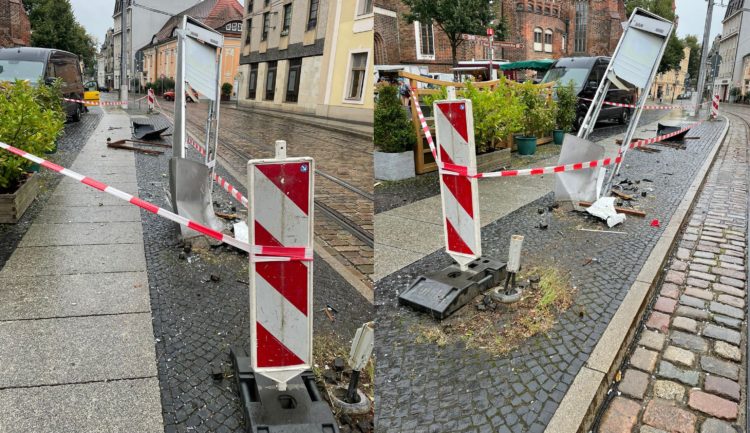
x=75 y=320
x=687 y=371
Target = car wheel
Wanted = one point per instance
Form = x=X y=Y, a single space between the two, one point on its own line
x=624 y=117
x=578 y=122
x=77 y=113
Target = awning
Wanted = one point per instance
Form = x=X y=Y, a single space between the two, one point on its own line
x=537 y=65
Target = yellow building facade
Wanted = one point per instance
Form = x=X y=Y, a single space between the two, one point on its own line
x=671 y=84
x=348 y=62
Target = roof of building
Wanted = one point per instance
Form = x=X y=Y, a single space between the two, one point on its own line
x=213 y=13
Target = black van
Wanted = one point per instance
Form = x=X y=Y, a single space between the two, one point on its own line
x=587 y=73
x=27 y=63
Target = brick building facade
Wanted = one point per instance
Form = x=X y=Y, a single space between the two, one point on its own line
x=545 y=28
x=15 y=29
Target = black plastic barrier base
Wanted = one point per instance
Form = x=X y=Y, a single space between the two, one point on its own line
x=662 y=129
x=443 y=292
x=299 y=409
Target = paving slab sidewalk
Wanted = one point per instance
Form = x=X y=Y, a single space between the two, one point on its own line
x=75 y=317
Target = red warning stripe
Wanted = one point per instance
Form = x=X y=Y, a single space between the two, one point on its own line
x=292 y=179
x=271 y=353
x=455 y=242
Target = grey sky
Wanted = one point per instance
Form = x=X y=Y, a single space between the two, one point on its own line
x=692 y=15
x=96 y=17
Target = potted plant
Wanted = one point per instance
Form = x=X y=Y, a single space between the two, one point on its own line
x=33 y=118
x=538 y=116
x=226 y=91
x=566 y=111
x=394 y=137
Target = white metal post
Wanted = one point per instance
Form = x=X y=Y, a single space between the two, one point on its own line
x=698 y=97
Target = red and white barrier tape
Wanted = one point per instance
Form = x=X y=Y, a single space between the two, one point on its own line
x=459 y=170
x=101 y=103
x=257 y=253
x=648 y=107
x=234 y=192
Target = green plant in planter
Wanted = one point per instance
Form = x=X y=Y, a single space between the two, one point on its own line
x=566 y=110
x=538 y=116
x=393 y=131
x=226 y=89
x=32 y=119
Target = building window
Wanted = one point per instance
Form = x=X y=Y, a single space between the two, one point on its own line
x=357 y=76
x=250 y=6
x=292 y=82
x=537 y=39
x=538 y=9
x=546 y=11
x=548 y=41
x=530 y=7
x=252 y=82
x=312 y=16
x=266 y=26
x=287 y=19
x=582 y=12
x=249 y=30
x=381 y=55
x=364 y=7
x=519 y=6
x=425 y=40
x=270 y=81
x=266 y=3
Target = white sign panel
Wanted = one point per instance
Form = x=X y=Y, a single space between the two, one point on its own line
x=200 y=71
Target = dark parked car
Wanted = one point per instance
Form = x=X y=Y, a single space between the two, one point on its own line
x=47 y=64
x=586 y=74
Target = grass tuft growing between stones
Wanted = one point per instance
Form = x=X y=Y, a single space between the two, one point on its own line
x=503 y=328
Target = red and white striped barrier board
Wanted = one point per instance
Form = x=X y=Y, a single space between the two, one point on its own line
x=274 y=253
x=454 y=129
x=100 y=103
x=281 y=214
x=150 y=99
x=715 y=107
x=648 y=107
x=454 y=169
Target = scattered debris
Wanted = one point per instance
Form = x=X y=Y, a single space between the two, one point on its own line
x=339 y=364
x=604 y=208
x=655 y=223
x=226 y=216
x=644 y=193
x=217 y=373
x=115 y=145
x=622 y=195
x=633 y=212
x=242 y=281
x=591 y=260
x=602 y=231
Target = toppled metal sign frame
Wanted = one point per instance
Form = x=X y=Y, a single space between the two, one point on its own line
x=198 y=70
x=634 y=62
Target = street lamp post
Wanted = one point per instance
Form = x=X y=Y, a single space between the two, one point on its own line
x=698 y=98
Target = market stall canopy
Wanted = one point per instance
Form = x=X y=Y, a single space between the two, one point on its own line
x=536 y=65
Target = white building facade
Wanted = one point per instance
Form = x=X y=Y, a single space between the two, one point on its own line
x=142 y=20
x=735 y=43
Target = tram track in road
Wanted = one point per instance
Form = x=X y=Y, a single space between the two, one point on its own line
x=337 y=199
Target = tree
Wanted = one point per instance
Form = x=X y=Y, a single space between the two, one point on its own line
x=694 y=62
x=673 y=53
x=453 y=17
x=53 y=25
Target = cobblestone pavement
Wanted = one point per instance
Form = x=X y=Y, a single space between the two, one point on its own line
x=427 y=388
x=247 y=135
x=69 y=144
x=197 y=320
x=687 y=370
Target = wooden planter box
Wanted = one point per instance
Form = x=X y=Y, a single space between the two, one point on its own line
x=12 y=206
x=493 y=160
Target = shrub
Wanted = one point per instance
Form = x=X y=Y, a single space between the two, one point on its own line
x=538 y=111
x=393 y=132
x=226 y=89
x=566 y=106
x=33 y=118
